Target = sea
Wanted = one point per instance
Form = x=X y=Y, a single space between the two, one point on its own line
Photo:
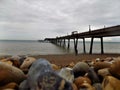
x=34 y=47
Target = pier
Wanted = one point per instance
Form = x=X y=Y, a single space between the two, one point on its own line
x=98 y=33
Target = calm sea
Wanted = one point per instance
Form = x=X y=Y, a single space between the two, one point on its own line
x=14 y=47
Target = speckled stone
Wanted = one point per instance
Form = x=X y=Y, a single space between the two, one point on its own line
x=41 y=76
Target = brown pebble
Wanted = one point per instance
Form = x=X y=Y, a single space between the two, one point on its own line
x=101 y=65
x=115 y=69
x=110 y=83
x=80 y=80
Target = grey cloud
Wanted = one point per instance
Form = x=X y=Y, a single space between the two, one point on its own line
x=56 y=17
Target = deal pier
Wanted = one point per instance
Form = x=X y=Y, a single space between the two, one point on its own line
x=98 y=33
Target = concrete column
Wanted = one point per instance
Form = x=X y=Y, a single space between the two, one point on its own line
x=75 y=45
x=84 y=49
x=91 y=45
x=64 y=43
x=68 y=43
x=102 y=49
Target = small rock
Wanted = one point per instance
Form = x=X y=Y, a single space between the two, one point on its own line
x=67 y=74
x=80 y=80
x=110 y=83
x=80 y=69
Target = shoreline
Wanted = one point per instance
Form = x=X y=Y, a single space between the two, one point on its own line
x=65 y=59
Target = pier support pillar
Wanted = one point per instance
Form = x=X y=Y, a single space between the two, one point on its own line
x=68 y=44
x=102 y=49
x=56 y=41
x=84 y=49
x=75 y=45
x=91 y=45
x=60 y=42
x=64 y=43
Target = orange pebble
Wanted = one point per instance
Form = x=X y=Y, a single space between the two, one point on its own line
x=80 y=80
x=115 y=69
x=101 y=65
x=111 y=83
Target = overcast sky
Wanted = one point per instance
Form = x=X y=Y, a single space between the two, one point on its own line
x=38 y=19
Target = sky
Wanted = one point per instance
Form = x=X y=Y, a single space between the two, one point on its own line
x=39 y=19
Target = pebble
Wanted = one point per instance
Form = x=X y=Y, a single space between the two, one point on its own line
x=43 y=75
x=80 y=69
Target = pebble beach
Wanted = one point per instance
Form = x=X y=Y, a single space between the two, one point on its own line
x=65 y=59
x=89 y=72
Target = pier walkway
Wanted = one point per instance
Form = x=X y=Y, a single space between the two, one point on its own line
x=98 y=33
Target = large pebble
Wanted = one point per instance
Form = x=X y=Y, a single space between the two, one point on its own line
x=9 y=74
x=27 y=63
x=115 y=69
x=101 y=65
x=41 y=76
x=104 y=72
x=11 y=61
x=110 y=83
x=7 y=61
x=80 y=80
x=80 y=69
x=93 y=75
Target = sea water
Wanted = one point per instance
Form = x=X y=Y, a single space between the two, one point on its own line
x=32 y=47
